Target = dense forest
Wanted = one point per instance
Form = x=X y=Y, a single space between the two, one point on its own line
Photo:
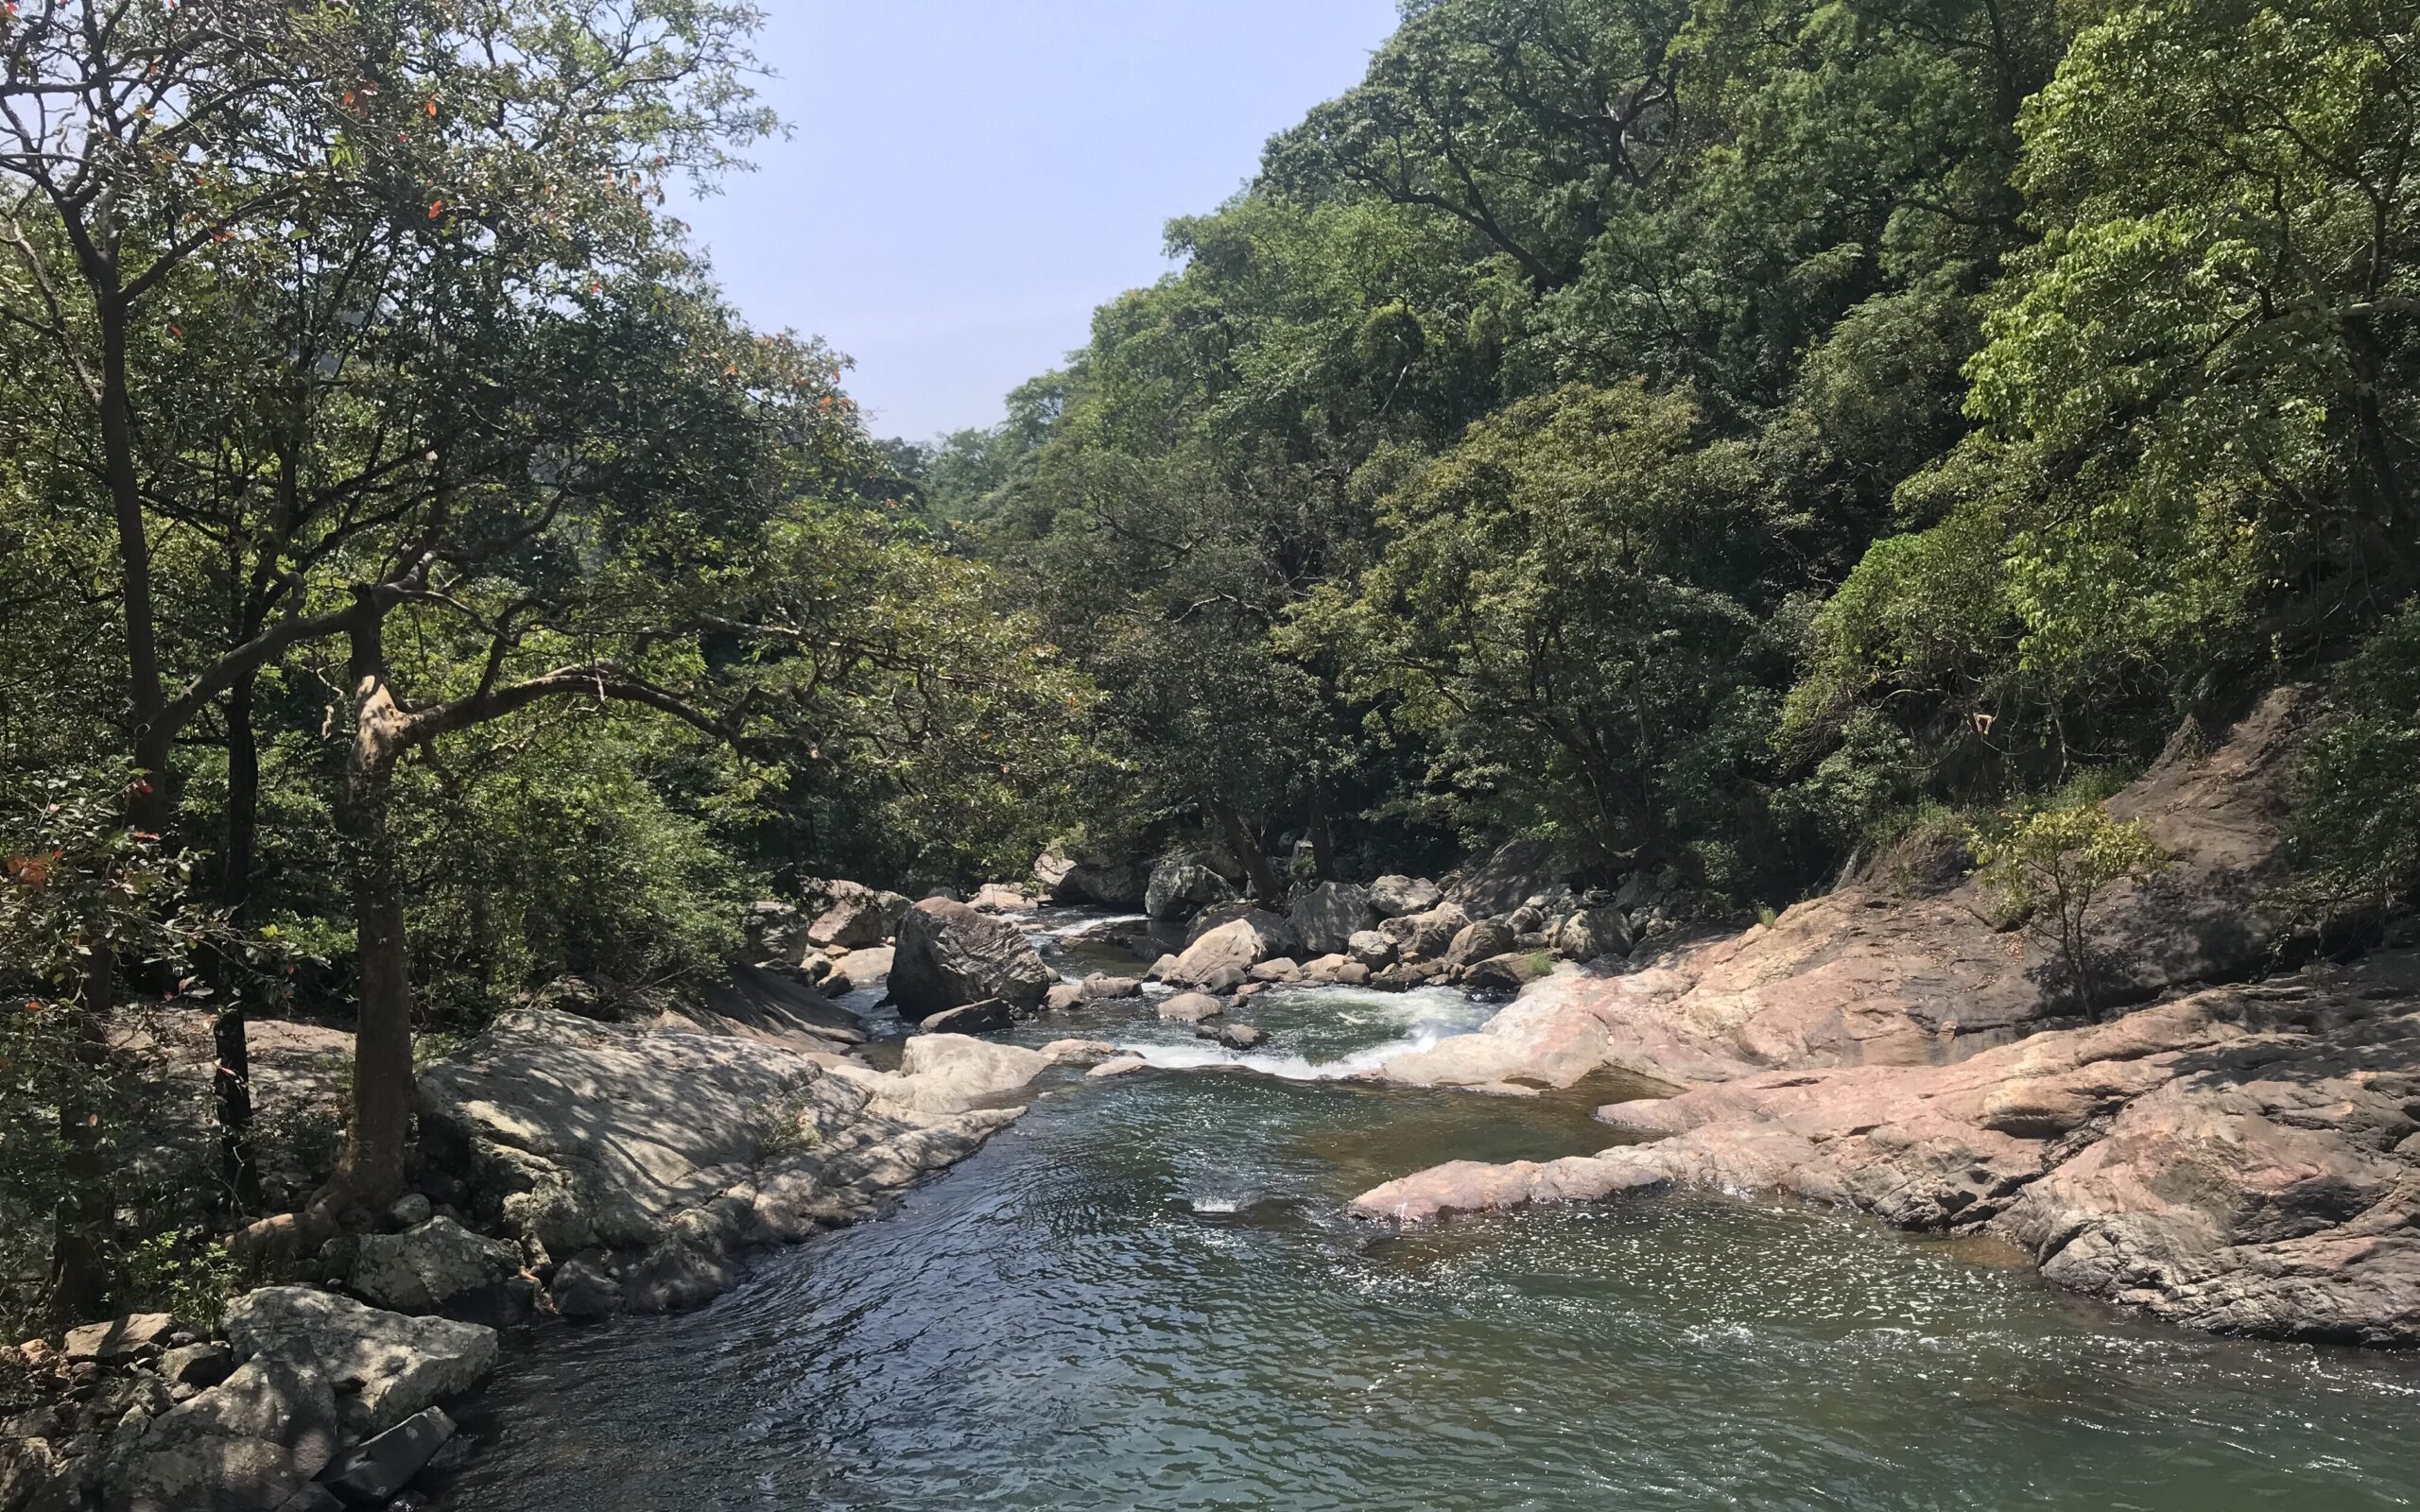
x=1713 y=438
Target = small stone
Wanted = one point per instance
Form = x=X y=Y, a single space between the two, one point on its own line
x=585 y=1287
x=973 y=1018
x=1239 y=1036
x=1062 y=997
x=1119 y=1067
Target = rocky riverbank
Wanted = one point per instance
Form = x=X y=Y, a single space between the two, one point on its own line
x=2242 y=1155
x=570 y=1165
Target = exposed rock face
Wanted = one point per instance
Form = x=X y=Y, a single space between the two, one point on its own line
x=1222 y=958
x=245 y=1445
x=644 y=1162
x=851 y=915
x=1391 y=897
x=1508 y=972
x=1182 y=884
x=423 y=1269
x=1509 y=877
x=948 y=955
x=2243 y=1159
x=384 y=1366
x=1326 y=918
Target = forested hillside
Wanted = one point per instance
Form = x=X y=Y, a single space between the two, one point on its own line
x=1713 y=438
x=1718 y=436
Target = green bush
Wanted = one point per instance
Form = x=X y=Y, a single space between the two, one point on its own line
x=2358 y=827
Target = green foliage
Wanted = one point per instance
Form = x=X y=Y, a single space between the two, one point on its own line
x=188 y=1275
x=2050 y=866
x=2358 y=825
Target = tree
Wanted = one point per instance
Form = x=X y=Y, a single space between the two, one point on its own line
x=2051 y=866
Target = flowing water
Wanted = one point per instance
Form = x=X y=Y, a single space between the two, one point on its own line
x=1144 y=1296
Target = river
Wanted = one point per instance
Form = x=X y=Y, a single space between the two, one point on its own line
x=1144 y=1296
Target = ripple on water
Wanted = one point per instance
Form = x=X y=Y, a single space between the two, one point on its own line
x=1144 y=1296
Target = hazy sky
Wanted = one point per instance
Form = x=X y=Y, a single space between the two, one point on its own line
x=967 y=178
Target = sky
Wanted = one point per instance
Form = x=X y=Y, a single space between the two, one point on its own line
x=966 y=179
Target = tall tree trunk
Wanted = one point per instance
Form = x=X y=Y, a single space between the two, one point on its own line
x=231 y=1082
x=79 y=1281
x=370 y=1173
x=1266 y=884
x=1322 y=837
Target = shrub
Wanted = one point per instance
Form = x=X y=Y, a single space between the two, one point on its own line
x=2051 y=865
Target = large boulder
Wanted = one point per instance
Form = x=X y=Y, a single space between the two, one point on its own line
x=1184 y=882
x=1065 y=879
x=1592 y=934
x=957 y=1073
x=851 y=915
x=1326 y=918
x=776 y=931
x=383 y=1367
x=1223 y=958
x=429 y=1269
x=1510 y=876
x=1422 y=935
x=245 y=1445
x=1480 y=940
x=948 y=955
x=1394 y=896
x=1373 y=948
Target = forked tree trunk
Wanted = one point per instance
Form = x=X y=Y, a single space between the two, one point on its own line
x=1266 y=884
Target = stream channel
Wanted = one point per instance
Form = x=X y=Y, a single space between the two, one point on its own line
x=1146 y=1295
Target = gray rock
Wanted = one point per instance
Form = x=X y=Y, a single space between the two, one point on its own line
x=1182 y=884
x=851 y=915
x=200 y=1366
x=424 y=1268
x=1422 y=935
x=1224 y=958
x=1062 y=997
x=776 y=931
x=1373 y=948
x=136 y=1336
x=249 y=1443
x=410 y=1211
x=1101 y=986
x=1239 y=1036
x=1391 y=897
x=948 y=954
x=1279 y=972
x=384 y=1366
x=952 y=1073
x=374 y=1471
x=1477 y=941
x=585 y=1287
x=313 y=1498
x=1191 y=1007
x=1597 y=932
x=1327 y=916
x=1510 y=875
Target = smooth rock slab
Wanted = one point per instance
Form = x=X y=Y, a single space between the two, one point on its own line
x=119 y=1340
x=384 y=1366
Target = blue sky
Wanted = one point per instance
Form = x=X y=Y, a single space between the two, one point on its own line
x=967 y=178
